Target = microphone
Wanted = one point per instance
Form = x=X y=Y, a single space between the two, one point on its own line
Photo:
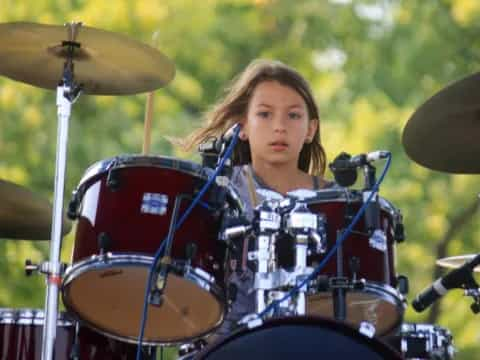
x=344 y=166
x=345 y=175
x=212 y=148
x=457 y=278
x=345 y=161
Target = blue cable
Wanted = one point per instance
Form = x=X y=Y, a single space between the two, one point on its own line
x=340 y=241
x=187 y=212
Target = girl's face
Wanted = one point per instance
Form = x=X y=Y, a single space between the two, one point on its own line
x=277 y=125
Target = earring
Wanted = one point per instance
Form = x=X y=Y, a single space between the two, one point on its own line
x=242 y=136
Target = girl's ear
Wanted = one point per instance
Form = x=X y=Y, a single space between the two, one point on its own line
x=312 y=129
x=243 y=135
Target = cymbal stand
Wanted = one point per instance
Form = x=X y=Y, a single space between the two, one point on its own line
x=67 y=93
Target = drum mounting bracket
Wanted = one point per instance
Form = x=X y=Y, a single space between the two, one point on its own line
x=45 y=267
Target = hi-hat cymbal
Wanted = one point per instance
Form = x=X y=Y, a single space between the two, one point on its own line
x=454 y=262
x=25 y=215
x=105 y=63
x=443 y=133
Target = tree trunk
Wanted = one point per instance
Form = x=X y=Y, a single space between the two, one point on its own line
x=457 y=223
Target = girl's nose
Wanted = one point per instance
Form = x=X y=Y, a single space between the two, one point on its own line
x=279 y=123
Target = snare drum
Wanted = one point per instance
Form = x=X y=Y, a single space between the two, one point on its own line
x=299 y=338
x=21 y=339
x=378 y=303
x=124 y=208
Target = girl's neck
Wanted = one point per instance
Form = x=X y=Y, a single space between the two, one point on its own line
x=282 y=178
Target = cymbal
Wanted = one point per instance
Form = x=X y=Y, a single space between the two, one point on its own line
x=25 y=215
x=443 y=133
x=106 y=63
x=454 y=262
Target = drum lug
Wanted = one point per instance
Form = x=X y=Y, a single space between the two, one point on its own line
x=190 y=251
x=113 y=180
x=399 y=233
x=189 y=349
x=104 y=242
x=73 y=206
x=354 y=263
x=367 y=329
x=403 y=284
x=251 y=321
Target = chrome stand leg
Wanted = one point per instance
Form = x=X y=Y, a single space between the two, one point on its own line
x=54 y=267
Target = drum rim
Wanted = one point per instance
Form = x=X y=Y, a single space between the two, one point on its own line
x=162 y=162
x=136 y=160
x=342 y=327
x=386 y=293
x=85 y=265
x=350 y=195
x=31 y=316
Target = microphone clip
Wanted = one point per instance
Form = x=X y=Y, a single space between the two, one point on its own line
x=159 y=281
x=474 y=293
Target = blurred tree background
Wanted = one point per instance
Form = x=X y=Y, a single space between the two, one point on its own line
x=371 y=63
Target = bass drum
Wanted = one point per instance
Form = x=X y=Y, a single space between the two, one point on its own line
x=298 y=338
x=125 y=208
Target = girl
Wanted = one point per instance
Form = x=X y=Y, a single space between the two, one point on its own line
x=279 y=149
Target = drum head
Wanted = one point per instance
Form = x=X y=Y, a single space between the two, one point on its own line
x=299 y=338
x=109 y=296
x=377 y=304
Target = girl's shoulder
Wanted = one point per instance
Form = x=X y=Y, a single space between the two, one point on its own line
x=239 y=175
x=322 y=183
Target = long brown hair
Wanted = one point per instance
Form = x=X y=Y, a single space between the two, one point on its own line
x=234 y=105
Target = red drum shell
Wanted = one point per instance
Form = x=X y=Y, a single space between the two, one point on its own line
x=117 y=210
x=126 y=204
x=379 y=302
x=21 y=338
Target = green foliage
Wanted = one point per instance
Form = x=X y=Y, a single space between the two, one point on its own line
x=369 y=73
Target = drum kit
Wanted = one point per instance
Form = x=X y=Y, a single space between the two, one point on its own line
x=132 y=253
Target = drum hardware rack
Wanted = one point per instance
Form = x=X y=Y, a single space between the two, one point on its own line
x=308 y=230
x=256 y=319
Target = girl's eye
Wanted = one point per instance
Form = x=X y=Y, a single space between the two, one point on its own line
x=263 y=114
x=294 y=115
